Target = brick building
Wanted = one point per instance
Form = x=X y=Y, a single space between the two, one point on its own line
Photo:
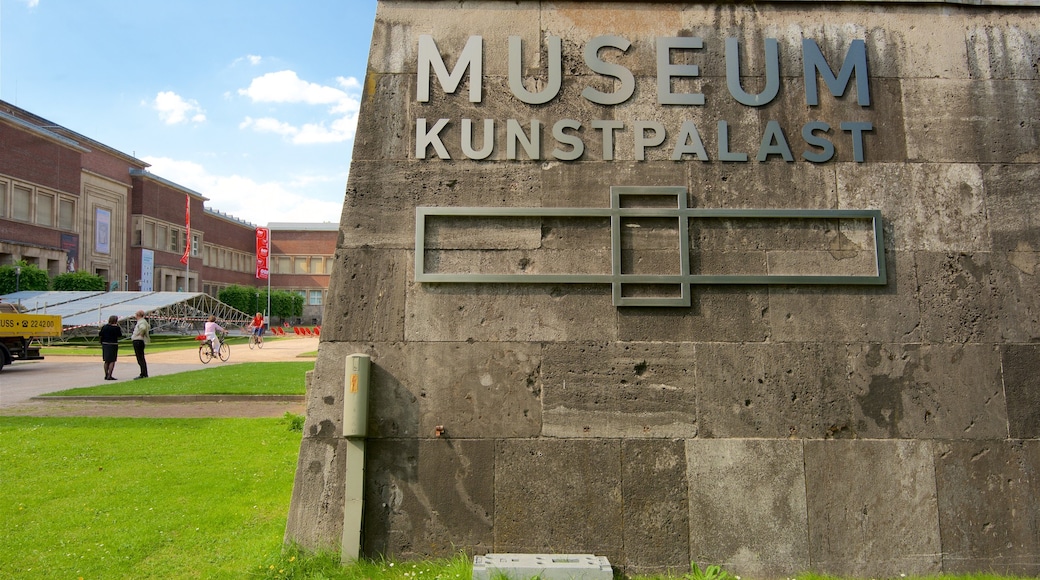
x=70 y=203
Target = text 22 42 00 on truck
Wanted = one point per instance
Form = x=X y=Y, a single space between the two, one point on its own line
x=18 y=331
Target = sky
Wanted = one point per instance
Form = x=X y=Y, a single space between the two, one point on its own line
x=251 y=103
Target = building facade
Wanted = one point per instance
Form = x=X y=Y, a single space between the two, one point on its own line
x=742 y=283
x=69 y=203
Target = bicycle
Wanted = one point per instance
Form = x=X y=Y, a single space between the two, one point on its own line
x=206 y=353
x=256 y=339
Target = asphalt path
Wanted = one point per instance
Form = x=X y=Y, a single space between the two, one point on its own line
x=23 y=380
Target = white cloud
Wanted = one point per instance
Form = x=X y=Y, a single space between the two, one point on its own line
x=285 y=87
x=243 y=198
x=32 y=3
x=174 y=109
x=252 y=59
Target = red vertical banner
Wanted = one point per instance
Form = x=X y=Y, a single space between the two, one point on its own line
x=187 y=226
x=263 y=252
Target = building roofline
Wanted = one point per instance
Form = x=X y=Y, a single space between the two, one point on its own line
x=42 y=132
x=144 y=174
x=61 y=134
x=228 y=217
x=304 y=226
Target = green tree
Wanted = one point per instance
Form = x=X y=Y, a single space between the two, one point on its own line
x=31 y=278
x=239 y=297
x=72 y=281
x=284 y=304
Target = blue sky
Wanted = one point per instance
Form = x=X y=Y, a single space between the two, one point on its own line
x=252 y=103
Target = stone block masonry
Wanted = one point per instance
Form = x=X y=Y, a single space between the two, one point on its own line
x=854 y=430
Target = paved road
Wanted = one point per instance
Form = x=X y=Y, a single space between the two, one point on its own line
x=23 y=380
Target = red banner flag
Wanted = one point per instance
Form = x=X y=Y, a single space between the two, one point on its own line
x=187 y=226
x=263 y=252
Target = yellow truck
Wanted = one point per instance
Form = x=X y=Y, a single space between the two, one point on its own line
x=18 y=330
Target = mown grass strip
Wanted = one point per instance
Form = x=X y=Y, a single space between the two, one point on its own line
x=266 y=378
x=143 y=498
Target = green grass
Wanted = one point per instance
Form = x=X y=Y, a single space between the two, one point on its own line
x=159 y=343
x=143 y=498
x=269 y=378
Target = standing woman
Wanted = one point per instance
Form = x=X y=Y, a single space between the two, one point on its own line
x=140 y=339
x=110 y=335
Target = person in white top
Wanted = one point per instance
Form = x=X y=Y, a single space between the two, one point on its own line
x=140 y=338
x=211 y=329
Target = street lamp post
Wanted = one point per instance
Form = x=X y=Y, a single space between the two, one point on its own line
x=17 y=278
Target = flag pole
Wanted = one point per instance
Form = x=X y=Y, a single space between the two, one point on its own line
x=269 y=264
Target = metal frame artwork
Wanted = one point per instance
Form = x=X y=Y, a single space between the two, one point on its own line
x=617 y=279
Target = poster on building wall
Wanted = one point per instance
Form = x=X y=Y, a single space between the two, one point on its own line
x=102 y=233
x=263 y=252
x=147 y=270
x=70 y=245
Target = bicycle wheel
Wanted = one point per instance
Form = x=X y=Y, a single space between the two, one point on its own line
x=225 y=351
x=205 y=353
x=252 y=341
x=260 y=341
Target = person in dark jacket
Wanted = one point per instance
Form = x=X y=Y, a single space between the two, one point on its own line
x=110 y=335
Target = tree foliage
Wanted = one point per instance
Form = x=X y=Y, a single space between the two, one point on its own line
x=31 y=278
x=72 y=281
x=250 y=300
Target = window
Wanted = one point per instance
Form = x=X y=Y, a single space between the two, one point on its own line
x=45 y=209
x=21 y=203
x=315 y=299
x=3 y=200
x=66 y=214
x=195 y=245
x=300 y=265
x=282 y=265
x=149 y=235
x=175 y=241
x=160 y=237
x=317 y=265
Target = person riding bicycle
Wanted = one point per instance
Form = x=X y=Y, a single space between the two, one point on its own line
x=211 y=330
x=258 y=325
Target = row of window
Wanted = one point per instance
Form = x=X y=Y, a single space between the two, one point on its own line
x=164 y=236
x=35 y=205
x=301 y=264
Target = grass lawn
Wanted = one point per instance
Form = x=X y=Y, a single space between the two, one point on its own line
x=267 y=378
x=159 y=343
x=143 y=498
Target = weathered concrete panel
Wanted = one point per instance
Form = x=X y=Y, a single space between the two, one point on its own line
x=872 y=508
x=316 y=518
x=716 y=314
x=379 y=210
x=364 y=303
x=510 y=312
x=562 y=496
x=889 y=313
x=619 y=389
x=986 y=493
x=960 y=297
x=966 y=121
x=772 y=390
x=934 y=207
x=655 y=498
x=1018 y=278
x=429 y=497
x=927 y=391
x=1002 y=46
x=1013 y=202
x=471 y=390
x=747 y=506
x=1021 y=366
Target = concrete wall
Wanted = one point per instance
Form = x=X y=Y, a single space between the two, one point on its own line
x=773 y=429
